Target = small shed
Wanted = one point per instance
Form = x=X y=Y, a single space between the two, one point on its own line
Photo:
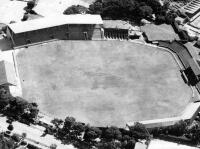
x=7 y=74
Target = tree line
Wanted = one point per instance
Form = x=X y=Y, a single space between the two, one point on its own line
x=133 y=10
x=82 y=135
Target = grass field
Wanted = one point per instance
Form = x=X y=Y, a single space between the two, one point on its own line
x=101 y=82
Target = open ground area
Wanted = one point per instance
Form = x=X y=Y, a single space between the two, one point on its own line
x=14 y=10
x=102 y=83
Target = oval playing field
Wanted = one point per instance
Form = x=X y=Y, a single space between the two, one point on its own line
x=102 y=82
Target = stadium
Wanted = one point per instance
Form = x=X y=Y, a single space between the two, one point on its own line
x=103 y=83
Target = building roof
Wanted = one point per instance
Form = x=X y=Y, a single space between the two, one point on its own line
x=194 y=66
x=159 y=32
x=47 y=22
x=7 y=73
x=193 y=50
x=118 y=24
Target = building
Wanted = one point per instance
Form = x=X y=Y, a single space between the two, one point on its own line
x=67 y=27
x=118 y=29
x=7 y=74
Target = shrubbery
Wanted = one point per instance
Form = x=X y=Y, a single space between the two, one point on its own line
x=133 y=10
x=80 y=135
x=17 y=108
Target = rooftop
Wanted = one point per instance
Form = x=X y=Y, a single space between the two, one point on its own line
x=159 y=32
x=47 y=22
x=195 y=66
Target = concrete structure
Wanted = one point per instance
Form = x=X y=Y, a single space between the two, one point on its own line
x=7 y=74
x=158 y=122
x=190 y=113
x=118 y=29
x=68 y=27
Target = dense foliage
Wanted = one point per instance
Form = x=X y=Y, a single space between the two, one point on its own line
x=127 y=9
x=75 y=9
x=85 y=136
x=17 y=108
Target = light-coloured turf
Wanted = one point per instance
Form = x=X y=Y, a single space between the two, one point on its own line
x=101 y=82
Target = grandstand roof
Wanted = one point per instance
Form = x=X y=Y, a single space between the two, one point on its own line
x=194 y=66
x=47 y=22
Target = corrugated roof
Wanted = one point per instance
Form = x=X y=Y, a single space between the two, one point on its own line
x=195 y=66
x=47 y=22
x=117 y=24
x=7 y=73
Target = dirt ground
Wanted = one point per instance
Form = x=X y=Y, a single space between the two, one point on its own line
x=101 y=82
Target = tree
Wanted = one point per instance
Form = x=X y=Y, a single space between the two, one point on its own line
x=145 y=11
x=53 y=146
x=170 y=17
x=25 y=17
x=75 y=9
x=109 y=145
x=96 y=7
x=78 y=128
x=155 y=5
x=92 y=133
x=4 y=94
x=130 y=144
x=15 y=137
x=30 y=4
x=68 y=124
x=113 y=133
x=24 y=135
x=10 y=127
x=57 y=122
x=119 y=9
x=139 y=131
x=160 y=19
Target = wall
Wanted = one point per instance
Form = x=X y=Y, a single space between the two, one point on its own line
x=64 y=32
